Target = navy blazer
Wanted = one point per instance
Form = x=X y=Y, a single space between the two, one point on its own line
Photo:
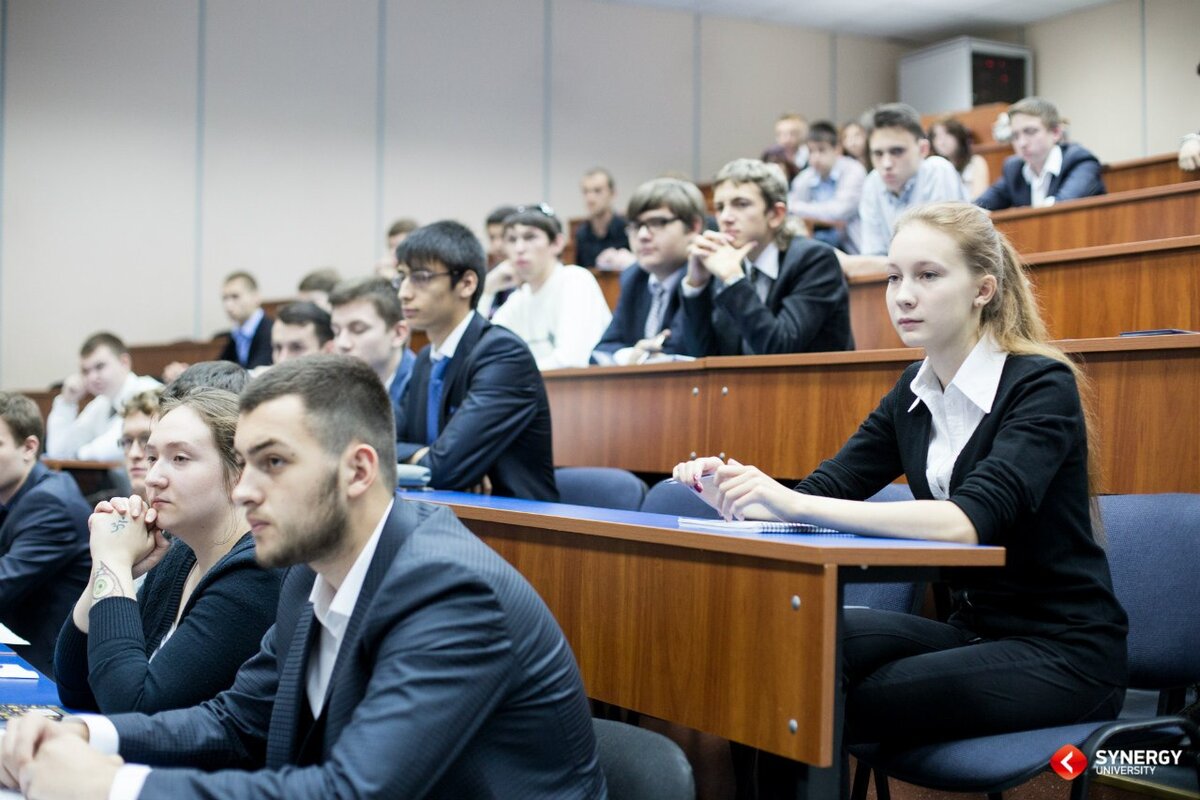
x=453 y=680
x=494 y=418
x=44 y=560
x=260 y=347
x=399 y=384
x=628 y=326
x=806 y=311
x=1079 y=177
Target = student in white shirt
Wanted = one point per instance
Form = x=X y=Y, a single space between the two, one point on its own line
x=105 y=372
x=559 y=310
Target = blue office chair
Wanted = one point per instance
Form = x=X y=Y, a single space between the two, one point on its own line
x=600 y=487
x=641 y=765
x=904 y=598
x=1154 y=554
x=669 y=497
x=892 y=493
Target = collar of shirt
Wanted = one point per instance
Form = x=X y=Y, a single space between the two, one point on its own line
x=447 y=348
x=768 y=261
x=977 y=379
x=670 y=283
x=333 y=607
x=248 y=327
x=1053 y=166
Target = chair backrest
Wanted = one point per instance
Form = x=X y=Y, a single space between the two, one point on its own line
x=1154 y=555
x=669 y=497
x=641 y=765
x=901 y=597
x=892 y=493
x=600 y=487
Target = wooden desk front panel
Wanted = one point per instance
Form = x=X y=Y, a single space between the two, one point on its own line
x=1157 y=213
x=645 y=420
x=708 y=640
x=1143 y=173
x=869 y=318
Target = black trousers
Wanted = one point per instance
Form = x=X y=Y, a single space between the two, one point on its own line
x=919 y=680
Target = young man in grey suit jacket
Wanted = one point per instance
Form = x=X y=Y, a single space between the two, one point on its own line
x=407 y=658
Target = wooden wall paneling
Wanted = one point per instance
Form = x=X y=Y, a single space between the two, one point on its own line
x=610 y=284
x=869 y=318
x=1143 y=173
x=151 y=359
x=1138 y=215
x=977 y=120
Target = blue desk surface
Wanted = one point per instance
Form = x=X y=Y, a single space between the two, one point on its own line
x=25 y=692
x=669 y=522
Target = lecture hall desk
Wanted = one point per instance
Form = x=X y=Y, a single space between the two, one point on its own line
x=736 y=635
x=785 y=414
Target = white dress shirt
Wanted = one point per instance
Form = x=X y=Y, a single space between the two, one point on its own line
x=957 y=410
x=332 y=610
x=450 y=344
x=1039 y=185
x=562 y=321
x=92 y=434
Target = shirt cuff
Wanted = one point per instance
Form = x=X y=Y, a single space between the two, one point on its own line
x=127 y=783
x=625 y=356
x=102 y=734
x=690 y=291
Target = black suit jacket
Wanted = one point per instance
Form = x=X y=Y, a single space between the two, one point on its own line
x=44 y=560
x=452 y=681
x=1079 y=177
x=628 y=326
x=494 y=418
x=806 y=311
x=260 y=347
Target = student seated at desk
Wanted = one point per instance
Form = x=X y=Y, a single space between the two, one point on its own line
x=203 y=609
x=754 y=288
x=407 y=659
x=139 y=413
x=992 y=435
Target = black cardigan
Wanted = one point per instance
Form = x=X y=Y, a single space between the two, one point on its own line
x=1022 y=481
x=110 y=669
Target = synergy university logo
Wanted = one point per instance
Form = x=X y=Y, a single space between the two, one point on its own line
x=1070 y=762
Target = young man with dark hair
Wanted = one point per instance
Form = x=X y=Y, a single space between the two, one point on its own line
x=496 y=252
x=250 y=338
x=601 y=237
x=827 y=193
x=301 y=329
x=224 y=375
x=664 y=214
x=407 y=658
x=905 y=176
x=1043 y=171
x=44 y=556
x=316 y=286
x=754 y=288
x=106 y=373
x=368 y=323
x=476 y=411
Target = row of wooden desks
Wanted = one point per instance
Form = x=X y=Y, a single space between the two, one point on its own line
x=735 y=635
x=785 y=414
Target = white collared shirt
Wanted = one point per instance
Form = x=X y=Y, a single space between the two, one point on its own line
x=957 y=411
x=332 y=609
x=447 y=347
x=1039 y=185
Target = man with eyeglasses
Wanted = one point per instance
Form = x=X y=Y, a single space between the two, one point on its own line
x=664 y=214
x=475 y=411
x=368 y=323
x=135 y=433
x=44 y=557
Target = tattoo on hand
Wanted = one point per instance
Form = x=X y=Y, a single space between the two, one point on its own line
x=105 y=583
x=119 y=524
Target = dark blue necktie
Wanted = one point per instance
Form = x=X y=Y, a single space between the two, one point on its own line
x=433 y=403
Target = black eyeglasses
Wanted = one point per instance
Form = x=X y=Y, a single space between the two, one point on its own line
x=653 y=224
x=419 y=278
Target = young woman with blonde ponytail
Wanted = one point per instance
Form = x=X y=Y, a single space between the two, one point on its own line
x=992 y=435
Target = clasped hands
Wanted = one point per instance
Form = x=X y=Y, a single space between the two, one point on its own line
x=738 y=491
x=48 y=760
x=123 y=533
x=713 y=253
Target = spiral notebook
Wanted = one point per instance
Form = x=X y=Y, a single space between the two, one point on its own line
x=756 y=526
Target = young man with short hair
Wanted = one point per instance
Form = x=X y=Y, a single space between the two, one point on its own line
x=664 y=215
x=407 y=658
x=496 y=252
x=754 y=288
x=905 y=176
x=603 y=232
x=1043 y=171
x=826 y=194
x=106 y=373
x=368 y=323
x=44 y=556
x=301 y=329
x=559 y=310
x=250 y=339
x=476 y=411
x=316 y=286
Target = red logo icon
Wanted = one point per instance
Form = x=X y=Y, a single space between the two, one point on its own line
x=1069 y=762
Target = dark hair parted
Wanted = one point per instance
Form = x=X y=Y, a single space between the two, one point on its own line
x=344 y=402
x=450 y=245
x=823 y=131
x=682 y=198
x=103 y=339
x=305 y=313
x=500 y=214
x=379 y=291
x=895 y=115
x=22 y=417
x=225 y=375
x=961 y=156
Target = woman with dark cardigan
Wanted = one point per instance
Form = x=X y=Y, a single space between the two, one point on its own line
x=992 y=435
x=202 y=609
